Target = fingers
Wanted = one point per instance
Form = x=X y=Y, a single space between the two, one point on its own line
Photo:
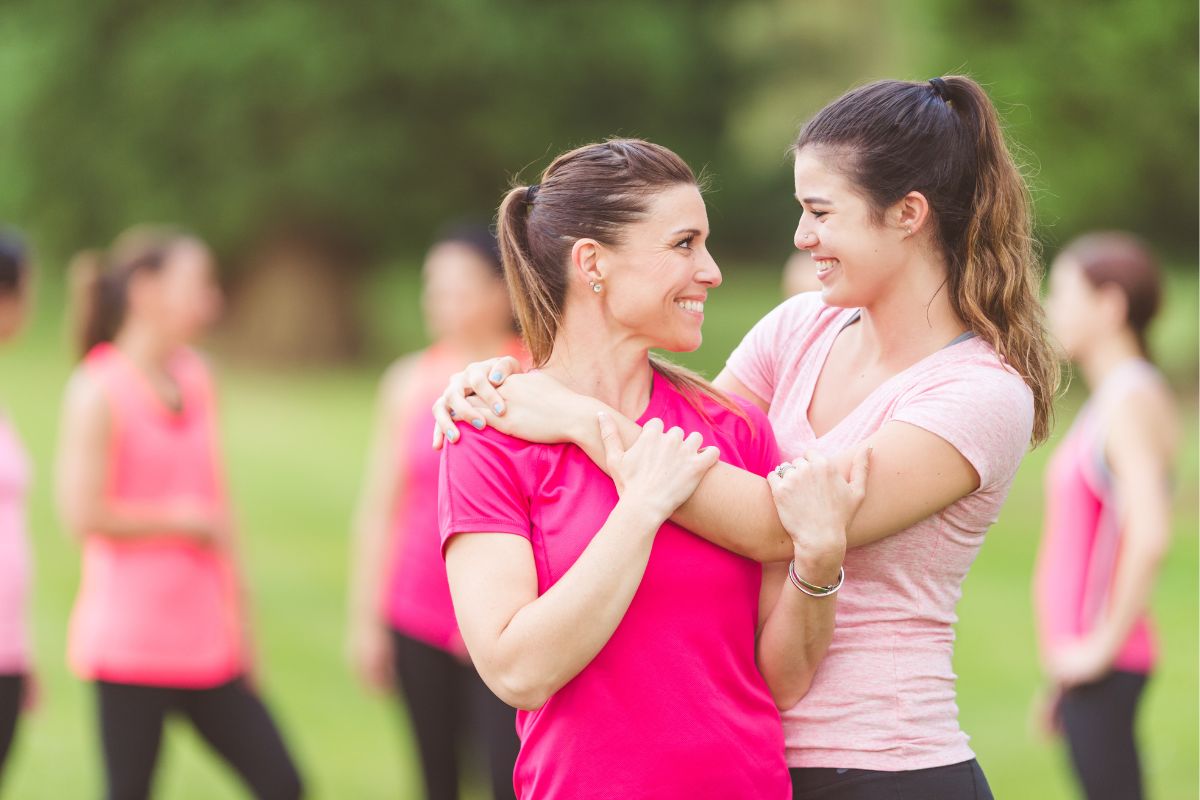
x=860 y=468
x=501 y=368
x=443 y=426
x=479 y=380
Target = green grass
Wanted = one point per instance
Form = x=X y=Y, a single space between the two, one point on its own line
x=295 y=445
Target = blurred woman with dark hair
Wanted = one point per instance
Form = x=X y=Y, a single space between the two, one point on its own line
x=160 y=622
x=1108 y=509
x=16 y=570
x=402 y=627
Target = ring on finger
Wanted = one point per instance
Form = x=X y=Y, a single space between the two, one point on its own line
x=782 y=469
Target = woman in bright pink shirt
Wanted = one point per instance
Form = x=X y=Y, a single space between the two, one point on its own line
x=16 y=667
x=628 y=643
x=402 y=628
x=1107 y=510
x=159 y=624
x=926 y=344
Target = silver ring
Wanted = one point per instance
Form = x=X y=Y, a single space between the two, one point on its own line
x=782 y=469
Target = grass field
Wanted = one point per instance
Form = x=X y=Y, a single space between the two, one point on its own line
x=295 y=445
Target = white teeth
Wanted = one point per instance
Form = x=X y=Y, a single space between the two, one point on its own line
x=691 y=305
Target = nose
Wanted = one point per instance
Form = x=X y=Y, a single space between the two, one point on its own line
x=710 y=273
x=805 y=238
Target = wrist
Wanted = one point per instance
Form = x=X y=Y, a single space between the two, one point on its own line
x=821 y=569
x=642 y=511
x=583 y=428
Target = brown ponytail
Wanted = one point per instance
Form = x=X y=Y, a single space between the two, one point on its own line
x=99 y=281
x=591 y=192
x=943 y=138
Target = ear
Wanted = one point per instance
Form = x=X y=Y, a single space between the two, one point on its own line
x=585 y=259
x=911 y=213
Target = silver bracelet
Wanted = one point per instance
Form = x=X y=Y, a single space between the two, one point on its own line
x=812 y=590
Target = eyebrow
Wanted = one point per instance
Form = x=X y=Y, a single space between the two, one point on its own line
x=820 y=201
x=693 y=231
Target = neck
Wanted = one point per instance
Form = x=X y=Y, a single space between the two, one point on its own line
x=143 y=346
x=1107 y=354
x=913 y=319
x=591 y=358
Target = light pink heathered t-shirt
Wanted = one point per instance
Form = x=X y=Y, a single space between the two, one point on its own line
x=883 y=698
x=673 y=705
x=14 y=552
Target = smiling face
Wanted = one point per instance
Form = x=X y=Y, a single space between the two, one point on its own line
x=849 y=247
x=655 y=283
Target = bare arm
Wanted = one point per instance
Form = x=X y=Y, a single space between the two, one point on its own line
x=82 y=473
x=368 y=646
x=1140 y=450
x=795 y=628
x=528 y=647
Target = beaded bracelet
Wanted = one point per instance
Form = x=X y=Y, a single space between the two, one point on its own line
x=813 y=590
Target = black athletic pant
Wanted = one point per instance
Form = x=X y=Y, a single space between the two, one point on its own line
x=1098 y=722
x=11 y=689
x=963 y=781
x=230 y=717
x=450 y=706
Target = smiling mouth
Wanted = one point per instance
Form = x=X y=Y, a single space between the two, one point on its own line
x=694 y=306
x=825 y=265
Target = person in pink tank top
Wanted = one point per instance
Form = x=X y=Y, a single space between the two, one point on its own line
x=1108 y=510
x=402 y=628
x=159 y=623
x=643 y=659
x=925 y=344
x=17 y=683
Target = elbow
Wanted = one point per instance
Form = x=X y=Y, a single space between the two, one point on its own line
x=789 y=696
x=519 y=691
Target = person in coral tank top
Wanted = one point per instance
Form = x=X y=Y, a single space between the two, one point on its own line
x=159 y=623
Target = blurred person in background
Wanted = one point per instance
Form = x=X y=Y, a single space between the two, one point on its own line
x=1108 y=510
x=799 y=275
x=16 y=568
x=403 y=632
x=160 y=623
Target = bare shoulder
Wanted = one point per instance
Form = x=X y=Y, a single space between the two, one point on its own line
x=1145 y=418
x=397 y=379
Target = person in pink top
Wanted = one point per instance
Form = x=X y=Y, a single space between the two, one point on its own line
x=631 y=647
x=926 y=344
x=402 y=628
x=17 y=685
x=159 y=624
x=1108 y=510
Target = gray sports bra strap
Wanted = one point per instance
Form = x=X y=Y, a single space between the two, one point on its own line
x=962 y=337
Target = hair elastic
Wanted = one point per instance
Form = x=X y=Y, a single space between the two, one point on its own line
x=939 y=87
x=531 y=193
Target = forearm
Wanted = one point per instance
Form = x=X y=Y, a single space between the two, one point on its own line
x=795 y=636
x=370 y=564
x=551 y=639
x=731 y=507
x=1133 y=585
x=128 y=522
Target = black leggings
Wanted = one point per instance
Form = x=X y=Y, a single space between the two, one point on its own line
x=449 y=703
x=11 y=689
x=230 y=717
x=1098 y=722
x=963 y=781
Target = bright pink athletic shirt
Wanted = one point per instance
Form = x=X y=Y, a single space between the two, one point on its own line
x=417 y=599
x=15 y=560
x=673 y=706
x=883 y=698
x=1082 y=537
x=157 y=610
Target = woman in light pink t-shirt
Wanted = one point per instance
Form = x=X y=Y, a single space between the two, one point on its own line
x=16 y=667
x=403 y=634
x=926 y=343
x=632 y=647
x=159 y=624
x=1108 y=510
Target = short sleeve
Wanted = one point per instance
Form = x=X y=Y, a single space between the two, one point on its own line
x=755 y=362
x=482 y=485
x=984 y=411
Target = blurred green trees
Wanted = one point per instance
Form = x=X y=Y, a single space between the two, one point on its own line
x=366 y=123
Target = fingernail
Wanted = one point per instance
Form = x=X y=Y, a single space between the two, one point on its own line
x=453 y=413
x=499 y=409
x=496 y=377
x=478 y=423
x=452 y=435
